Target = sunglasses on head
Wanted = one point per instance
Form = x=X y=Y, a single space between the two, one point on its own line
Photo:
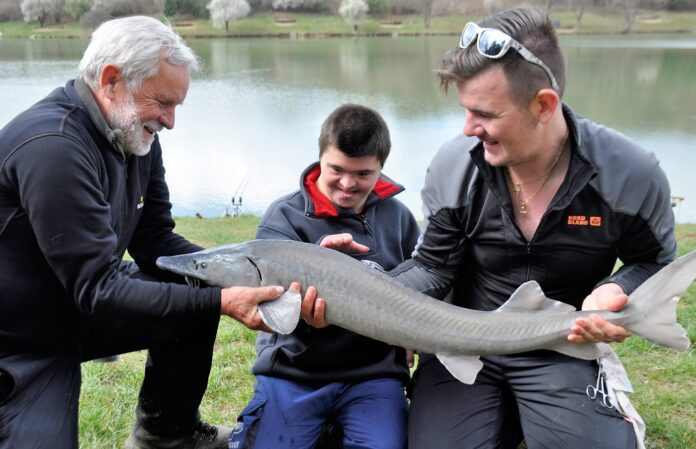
x=494 y=44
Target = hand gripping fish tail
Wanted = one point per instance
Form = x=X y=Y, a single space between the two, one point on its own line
x=371 y=303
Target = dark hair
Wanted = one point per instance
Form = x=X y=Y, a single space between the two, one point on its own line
x=357 y=131
x=533 y=29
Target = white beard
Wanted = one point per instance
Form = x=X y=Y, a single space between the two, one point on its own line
x=125 y=116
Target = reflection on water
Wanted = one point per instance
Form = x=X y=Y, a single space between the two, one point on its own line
x=255 y=110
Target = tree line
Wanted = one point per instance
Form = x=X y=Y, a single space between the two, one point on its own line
x=91 y=13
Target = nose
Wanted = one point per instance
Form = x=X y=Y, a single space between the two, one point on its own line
x=348 y=181
x=168 y=116
x=471 y=126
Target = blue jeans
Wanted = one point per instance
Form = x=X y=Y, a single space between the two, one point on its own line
x=285 y=414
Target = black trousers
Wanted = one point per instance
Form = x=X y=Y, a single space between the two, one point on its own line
x=542 y=393
x=42 y=408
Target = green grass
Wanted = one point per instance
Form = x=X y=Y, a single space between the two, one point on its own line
x=322 y=25
x=664 y=380
x=110 y=390
x=33 y=30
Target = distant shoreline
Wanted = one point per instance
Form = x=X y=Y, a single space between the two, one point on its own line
x=318 y=26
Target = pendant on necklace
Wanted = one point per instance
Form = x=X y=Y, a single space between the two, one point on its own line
x=523 y=208
x=517 y=188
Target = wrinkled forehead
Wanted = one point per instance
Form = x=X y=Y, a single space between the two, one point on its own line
x=170 y=84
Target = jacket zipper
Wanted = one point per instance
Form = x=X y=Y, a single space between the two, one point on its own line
x=120 y=225
x=366 y=226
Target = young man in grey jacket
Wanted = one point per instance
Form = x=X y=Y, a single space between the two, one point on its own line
x=319 y=374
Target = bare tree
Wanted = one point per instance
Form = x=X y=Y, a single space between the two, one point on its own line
x=296 y=4
x=76 y=8
x=427 y=10
x=226 y=11
x=10 y=11
x=103 y=10
x=581 y=12
x=353 y=11
x=629 y=9
x=41 y=10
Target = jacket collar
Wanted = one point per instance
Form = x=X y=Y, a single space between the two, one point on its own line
x=319 y=205
x=114 y=136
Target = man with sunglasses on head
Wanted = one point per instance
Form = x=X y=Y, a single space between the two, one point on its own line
x=531 y=191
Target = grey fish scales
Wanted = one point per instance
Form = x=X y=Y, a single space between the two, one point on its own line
x=366 y=301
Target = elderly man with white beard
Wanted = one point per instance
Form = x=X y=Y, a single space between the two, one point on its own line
x=81 y=182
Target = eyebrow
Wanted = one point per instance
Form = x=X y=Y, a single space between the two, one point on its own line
x=338 y=167
x=481 y=111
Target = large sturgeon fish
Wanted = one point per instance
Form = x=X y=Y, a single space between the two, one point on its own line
x=371 y=303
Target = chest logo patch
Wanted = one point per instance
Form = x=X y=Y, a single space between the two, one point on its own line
x=582 y=220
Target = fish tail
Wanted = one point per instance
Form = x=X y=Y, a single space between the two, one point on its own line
x=659 y=325
x=655 y=304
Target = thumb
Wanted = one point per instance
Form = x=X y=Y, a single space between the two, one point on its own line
x=613 y=303
x=269 y=293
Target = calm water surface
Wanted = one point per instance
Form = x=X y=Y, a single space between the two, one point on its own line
x=251 y=120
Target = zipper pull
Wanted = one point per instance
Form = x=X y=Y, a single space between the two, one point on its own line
x=366 y=226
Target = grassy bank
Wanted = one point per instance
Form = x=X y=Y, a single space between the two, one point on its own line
x=664 y=380
x=318 y=25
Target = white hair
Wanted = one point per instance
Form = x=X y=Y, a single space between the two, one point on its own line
x=136 y=45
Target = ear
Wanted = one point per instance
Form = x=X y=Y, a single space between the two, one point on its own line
x=545 y=104
x=110 y=76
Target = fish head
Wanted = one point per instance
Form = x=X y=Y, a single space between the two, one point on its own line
x=222 y=266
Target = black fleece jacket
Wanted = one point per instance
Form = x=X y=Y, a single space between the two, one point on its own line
x=70 y=206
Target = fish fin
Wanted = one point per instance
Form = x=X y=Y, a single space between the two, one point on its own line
x=283 y=313
x=655 y=301
x=585 y=351
x=464 y=368
x=530 y=296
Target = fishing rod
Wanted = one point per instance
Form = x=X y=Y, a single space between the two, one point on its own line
x=236 y=199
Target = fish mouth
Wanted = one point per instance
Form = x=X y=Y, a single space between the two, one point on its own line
x=182 y=268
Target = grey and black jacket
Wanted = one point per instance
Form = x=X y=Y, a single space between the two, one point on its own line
x=330 y=354
x=613 y=204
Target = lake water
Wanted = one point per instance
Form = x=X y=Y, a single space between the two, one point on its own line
x=251 y=120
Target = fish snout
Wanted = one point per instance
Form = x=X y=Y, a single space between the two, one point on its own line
x=183 y=266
